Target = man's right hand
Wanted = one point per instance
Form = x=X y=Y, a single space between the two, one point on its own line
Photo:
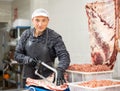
x=38 y=64
x=31 y=61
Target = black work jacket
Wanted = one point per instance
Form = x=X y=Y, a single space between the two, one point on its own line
x=55 y=45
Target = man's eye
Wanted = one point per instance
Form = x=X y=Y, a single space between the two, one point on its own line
x=37 y=20
x=43 y=20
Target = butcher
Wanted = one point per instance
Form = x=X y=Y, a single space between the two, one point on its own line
x=41 y=43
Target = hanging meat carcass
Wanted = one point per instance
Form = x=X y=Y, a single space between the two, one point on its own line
x=102 y=29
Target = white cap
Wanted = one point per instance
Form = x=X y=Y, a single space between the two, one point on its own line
x=40 y=12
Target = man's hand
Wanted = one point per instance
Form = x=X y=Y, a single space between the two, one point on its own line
x=31 y=61
x=60 y=77
x=38 y=64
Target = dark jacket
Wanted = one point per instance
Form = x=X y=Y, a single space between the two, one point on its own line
x=55 y=45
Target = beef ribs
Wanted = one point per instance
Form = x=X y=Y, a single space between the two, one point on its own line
x=102 y=30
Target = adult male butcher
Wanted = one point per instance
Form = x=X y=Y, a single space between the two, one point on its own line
x=41 y=43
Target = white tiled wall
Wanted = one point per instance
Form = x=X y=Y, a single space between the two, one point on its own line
x=5 y=12
x=23 y=7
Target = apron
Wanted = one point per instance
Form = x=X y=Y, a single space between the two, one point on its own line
x=39 y=50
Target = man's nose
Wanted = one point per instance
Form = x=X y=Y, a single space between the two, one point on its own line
x=40 y=23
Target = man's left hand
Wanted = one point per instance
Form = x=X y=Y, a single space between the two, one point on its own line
x=60 y=77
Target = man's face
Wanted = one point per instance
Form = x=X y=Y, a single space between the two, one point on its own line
x=40 y=23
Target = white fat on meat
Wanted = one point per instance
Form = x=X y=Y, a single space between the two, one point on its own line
x=101 y=22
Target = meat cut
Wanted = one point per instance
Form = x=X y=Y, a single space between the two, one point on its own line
x=45 y=84
x=99 y=83
x=102 y=30
x=88 y=68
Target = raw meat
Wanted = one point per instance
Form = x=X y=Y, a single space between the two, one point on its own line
x=102 y=28
x=99 y=83
x=88 y=68
x=45 y=84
